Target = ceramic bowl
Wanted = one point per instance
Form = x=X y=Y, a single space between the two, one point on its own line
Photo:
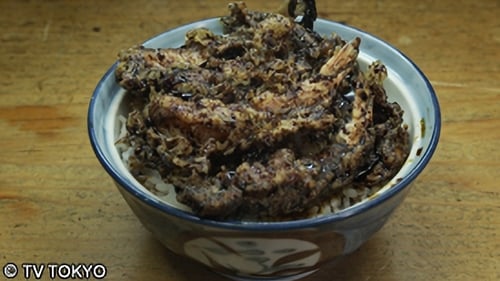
x=279 y=250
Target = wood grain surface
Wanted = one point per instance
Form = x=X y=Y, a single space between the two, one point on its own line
x=57 y=204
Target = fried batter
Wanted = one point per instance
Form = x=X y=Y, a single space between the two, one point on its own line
x=258 y=122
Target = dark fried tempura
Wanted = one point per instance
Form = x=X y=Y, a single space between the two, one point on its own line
x=259 y=121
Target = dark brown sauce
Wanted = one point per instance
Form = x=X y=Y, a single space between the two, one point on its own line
x=419 y=151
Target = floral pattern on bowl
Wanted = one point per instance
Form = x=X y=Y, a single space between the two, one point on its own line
x=255 y=256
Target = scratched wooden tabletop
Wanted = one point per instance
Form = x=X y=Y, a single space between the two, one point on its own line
x=57 y=204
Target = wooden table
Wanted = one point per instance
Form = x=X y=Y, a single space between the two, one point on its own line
x=57 y=204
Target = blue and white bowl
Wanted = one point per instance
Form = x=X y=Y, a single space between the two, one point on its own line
x=273 y=250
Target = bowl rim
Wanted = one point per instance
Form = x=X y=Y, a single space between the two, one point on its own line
x=145 y=198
